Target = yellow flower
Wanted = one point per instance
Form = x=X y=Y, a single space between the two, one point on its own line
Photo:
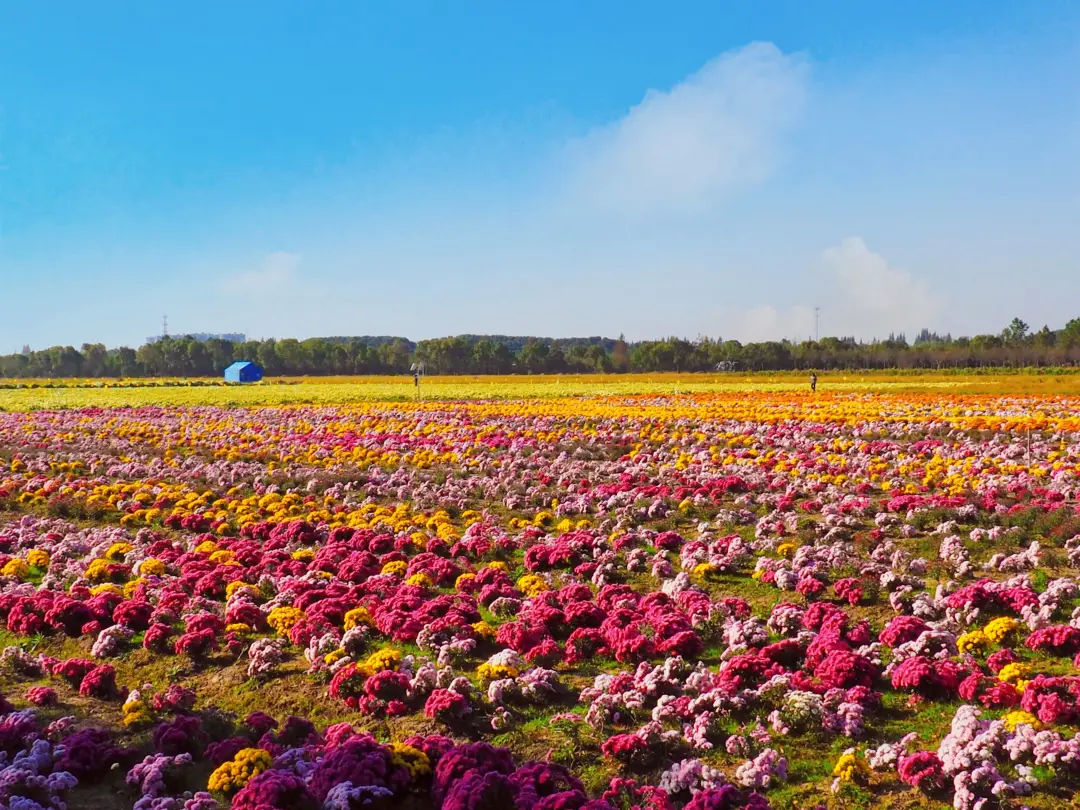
x=241 y=769
x=492 y=672
x=16 y=567
x=283 y=619
x=498 y=565
x=117 y=551
x=358 y=616
x=152 y=566
x=137 y=713
x=849 y=766
x=420 y=580
x=130 y=587
x=304 y=554
x=997 y=629
x=222 y=557
x=702 y=571
x=206 y=547
x=1013 y=673
x=237 y=584
x=97 y=570
x=484 y=630
x=412 y=758
x=463 y=579
x=974 y=641
x=1013 y=719
x=386 y=658
x=38 y=557
x=333 y=656
x=787 y=549
x=532 y=585
x=396 y=568
x=543 y=518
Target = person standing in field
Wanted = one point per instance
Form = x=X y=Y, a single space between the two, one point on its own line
x=813 y=382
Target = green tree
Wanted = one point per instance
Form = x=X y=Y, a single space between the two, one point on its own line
x=268 y=358
x=221 y=354
x=533 y=357
x=395 y=356
x=290 y=356
x=93 y=359
x=1015 y=333
x=127 y=362
x=620 y=355
x=1044 y=338
x=1070 y=335
x=483 y=356
x=200 y=363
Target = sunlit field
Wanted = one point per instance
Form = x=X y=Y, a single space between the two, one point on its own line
x=549 y=593
x=32 y=394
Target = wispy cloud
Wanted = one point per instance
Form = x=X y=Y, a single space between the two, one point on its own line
x=860 y=294
x=274 y=273
x=662 y=167
x=768 y=323
x=878 y=298
x=716 y=131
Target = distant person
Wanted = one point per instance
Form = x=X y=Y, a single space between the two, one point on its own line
x=813 y=383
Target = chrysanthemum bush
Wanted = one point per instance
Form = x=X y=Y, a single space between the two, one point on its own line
x=689 y=596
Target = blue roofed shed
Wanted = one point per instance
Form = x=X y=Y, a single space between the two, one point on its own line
x=243 y=371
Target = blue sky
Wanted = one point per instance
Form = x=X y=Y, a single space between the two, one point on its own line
x=288 y=169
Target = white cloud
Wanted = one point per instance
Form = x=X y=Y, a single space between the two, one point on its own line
x=874 y=298
x=860 y=295
x=276 y=272
x=767 y=323
x=716 y=131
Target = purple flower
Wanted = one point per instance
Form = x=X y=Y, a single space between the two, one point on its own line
x=275 y=790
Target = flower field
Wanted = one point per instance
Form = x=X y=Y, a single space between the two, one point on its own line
x=517 y=597
x=36 y=394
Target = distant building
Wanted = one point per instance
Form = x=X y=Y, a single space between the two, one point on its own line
x=243 y=371
x=202 y=337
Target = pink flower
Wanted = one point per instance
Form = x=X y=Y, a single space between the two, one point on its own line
x=843 y=669
x=923 y=770
x=42 y=696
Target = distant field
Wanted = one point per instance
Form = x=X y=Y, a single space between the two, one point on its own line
x=45 y=394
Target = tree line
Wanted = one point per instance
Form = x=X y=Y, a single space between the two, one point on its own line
x=1016 y=345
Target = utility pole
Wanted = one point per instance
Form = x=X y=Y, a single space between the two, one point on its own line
x=164 y=326
x=817 y=319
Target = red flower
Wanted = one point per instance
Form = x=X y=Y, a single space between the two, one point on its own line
x=923 y=770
